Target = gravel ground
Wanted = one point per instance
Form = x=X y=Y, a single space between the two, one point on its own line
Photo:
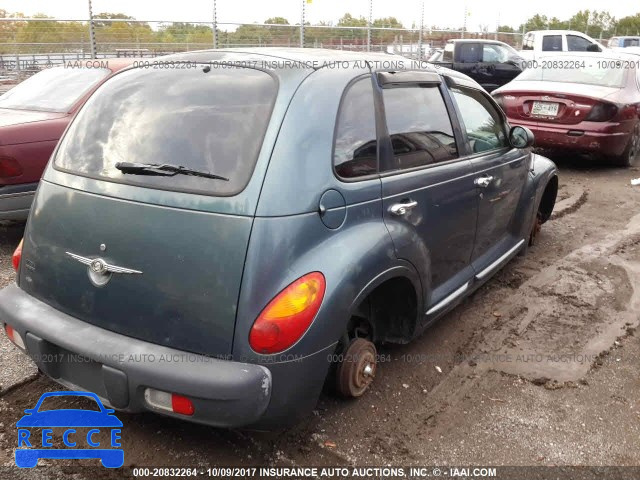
x=538 y=367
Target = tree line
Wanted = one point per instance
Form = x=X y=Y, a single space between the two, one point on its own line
x=19 y=36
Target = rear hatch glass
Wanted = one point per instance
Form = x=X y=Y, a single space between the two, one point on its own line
x=210 y=120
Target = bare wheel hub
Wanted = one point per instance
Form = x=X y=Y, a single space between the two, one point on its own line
x=357 y=369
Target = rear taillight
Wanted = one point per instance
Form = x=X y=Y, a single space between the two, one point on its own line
x=288 y=316
x=170 y=402
x=14 y=336
x=602 y=112
x=9 y=168
x=17 y=256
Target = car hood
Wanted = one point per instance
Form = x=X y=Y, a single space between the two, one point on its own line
x=10 y=116
x=555 y=88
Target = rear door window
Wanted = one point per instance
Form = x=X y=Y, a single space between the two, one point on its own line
x=212 y=121
x=355 y=151
x=470 y=52
x=552 y=43
x=419 y=126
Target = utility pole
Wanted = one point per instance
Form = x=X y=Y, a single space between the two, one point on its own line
x=215 y=25
x=420 y=47
x=369 y=25
x=464 y=25
x=302 y=25
x=497 y=25
x=92 y=33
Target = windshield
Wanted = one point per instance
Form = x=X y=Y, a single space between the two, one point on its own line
x=210 y=120
x=589 y=72
x=53 y=90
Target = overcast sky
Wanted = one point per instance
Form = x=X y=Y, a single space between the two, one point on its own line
x=482 y=12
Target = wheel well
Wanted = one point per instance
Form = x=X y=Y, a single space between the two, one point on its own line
x=548 y=200
x=387 y=314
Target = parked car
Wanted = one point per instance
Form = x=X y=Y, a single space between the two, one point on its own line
x=33 y=115
x=546 y=42
x=264 y=227
x=489 y=62
x=624 y=42
x=580 y=105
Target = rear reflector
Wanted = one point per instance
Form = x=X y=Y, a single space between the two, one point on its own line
x=14 y=336
x=169 y=402
x=17 y=256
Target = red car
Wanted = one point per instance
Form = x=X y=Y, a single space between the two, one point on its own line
x=33 y=116
x=584 y=104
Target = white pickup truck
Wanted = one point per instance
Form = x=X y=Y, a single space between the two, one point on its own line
x=546 y=42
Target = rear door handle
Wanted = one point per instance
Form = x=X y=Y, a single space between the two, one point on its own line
x=402 y=208
x=483 y=181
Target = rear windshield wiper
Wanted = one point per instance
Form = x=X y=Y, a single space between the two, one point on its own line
x=164 y=170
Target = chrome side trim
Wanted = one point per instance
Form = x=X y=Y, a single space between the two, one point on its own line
x=494 y=266
x=448 y=299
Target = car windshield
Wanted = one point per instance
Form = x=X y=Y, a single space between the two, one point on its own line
x=53 y=90
x=211 y=120
x=549 y=69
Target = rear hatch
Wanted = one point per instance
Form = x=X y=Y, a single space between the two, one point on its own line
x=184 y=264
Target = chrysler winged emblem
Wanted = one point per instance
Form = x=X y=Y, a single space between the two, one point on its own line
x=99 y=270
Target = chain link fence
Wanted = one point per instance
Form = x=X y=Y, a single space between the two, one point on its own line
x=27 y=45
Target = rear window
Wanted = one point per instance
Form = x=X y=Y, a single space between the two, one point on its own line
x=209 y=120
x=53 y=90
x=589 y=73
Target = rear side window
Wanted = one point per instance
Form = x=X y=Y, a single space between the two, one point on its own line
x=527 y=43
x=355 y=152
x=577 y=44
x=631 y=42
x=419 y=126
x=470 y=52
x=552 y=43
x=213 y=122
x=447 y=54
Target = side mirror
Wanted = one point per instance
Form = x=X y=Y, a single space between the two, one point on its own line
x=593 y=48
x=521 y=137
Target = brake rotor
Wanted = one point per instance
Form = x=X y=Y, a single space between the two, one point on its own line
x=358 y=368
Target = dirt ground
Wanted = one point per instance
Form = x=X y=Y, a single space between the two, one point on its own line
x=539 y=367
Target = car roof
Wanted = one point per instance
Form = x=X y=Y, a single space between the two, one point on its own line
x=609 y=54
x=293 y=54
x=475 y=40
x=379 y=60
x=560 y=32
x=116 y=64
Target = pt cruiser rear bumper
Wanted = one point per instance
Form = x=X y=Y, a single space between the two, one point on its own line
x=118 y=368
